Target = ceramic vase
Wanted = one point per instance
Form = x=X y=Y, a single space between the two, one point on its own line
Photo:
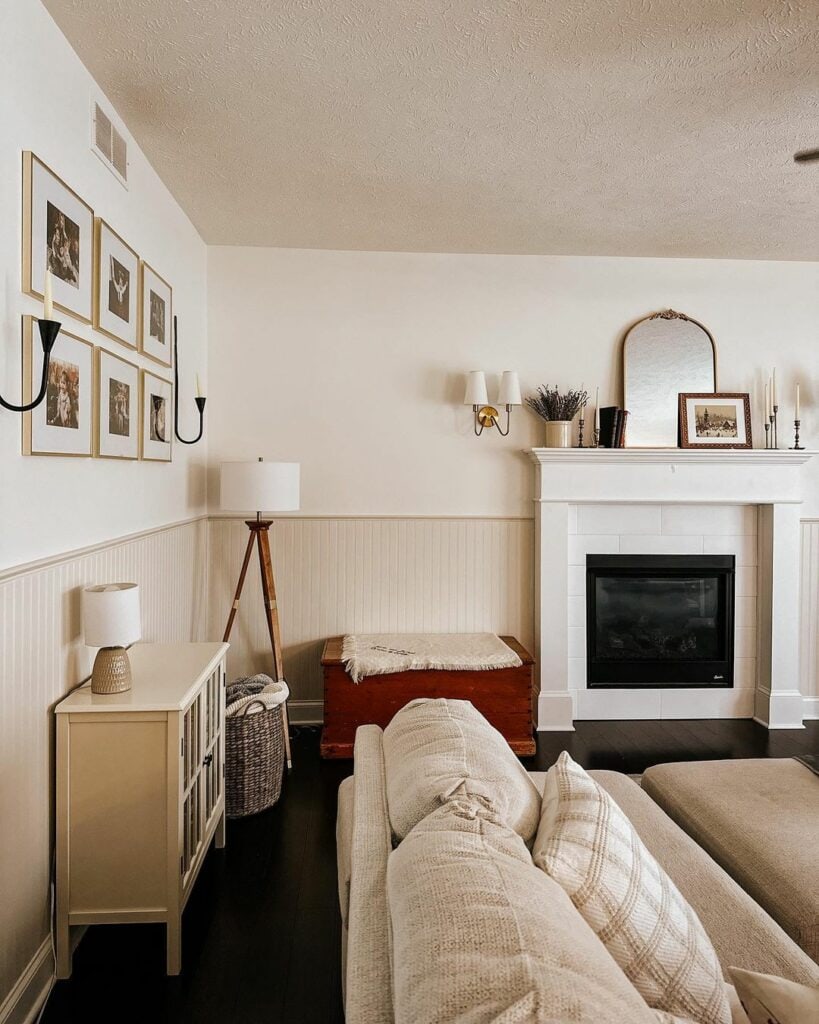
x=558 y=433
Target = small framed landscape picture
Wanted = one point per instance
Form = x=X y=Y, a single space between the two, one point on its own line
x=116 y=285
x=156 y=426
x=720 y=420
x=61 y=423
x=58 y=235
x=117 y=420
x=155 y=319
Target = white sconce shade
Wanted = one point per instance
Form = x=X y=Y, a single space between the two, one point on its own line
x=476 y=393
x=259 y=486
x=509 y=393
x=110 y=615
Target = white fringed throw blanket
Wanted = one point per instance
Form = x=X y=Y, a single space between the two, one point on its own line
x=376 y=654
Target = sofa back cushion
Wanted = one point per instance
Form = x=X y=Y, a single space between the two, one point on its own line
x=588 y=845
x=480 y=934
x=435 y=749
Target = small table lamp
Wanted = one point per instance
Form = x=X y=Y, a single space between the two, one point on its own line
x=261 y=487
x=111 y=621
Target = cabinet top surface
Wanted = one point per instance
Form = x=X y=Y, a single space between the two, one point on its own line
x=164 y=678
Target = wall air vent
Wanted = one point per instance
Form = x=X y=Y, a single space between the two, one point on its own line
x=108 y=142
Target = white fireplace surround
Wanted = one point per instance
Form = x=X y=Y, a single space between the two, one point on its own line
x=672 y=501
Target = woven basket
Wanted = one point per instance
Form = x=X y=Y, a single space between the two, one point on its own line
x=254 y=759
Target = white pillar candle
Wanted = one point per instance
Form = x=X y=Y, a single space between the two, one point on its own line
x=797 y=416
x=597 y=408
x=48 y=301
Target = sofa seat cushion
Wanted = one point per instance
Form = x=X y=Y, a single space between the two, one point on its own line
x=590 y=848
x=481 y=935
x=742 y=933
x=435 y=749
x=759 y=819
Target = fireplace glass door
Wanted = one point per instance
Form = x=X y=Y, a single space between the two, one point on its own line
x=659 y=621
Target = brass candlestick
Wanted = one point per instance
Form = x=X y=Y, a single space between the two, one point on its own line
x=797 y=447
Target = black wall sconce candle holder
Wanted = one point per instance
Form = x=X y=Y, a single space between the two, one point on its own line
x=199 y=399
x=49 y=329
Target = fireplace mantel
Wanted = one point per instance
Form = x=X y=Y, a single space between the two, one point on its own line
x=742 y=476
x=771 y=481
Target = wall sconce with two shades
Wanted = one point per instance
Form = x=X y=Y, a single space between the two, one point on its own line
x=487 y=415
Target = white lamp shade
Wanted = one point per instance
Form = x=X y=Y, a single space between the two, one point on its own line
x=509 y=393
x=476 y=393
x=110 y=615
x=259 y=486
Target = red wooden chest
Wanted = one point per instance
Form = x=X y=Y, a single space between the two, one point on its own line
x=504 y=696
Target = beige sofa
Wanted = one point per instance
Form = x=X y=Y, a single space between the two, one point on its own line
x=742 y=933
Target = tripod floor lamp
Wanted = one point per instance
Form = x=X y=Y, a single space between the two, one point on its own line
x=270 y=487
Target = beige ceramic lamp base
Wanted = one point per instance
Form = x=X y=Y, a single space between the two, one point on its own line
x=112 y=671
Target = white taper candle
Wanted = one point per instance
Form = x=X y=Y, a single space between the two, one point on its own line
x=48 y=301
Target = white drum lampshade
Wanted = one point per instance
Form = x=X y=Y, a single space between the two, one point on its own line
x=476 y=393
x=111 y=621
x=259 y=486
x=509 y=393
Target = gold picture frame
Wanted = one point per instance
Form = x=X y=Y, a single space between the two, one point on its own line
x=57 y=219
x=155 y=315
x=106 y=443
x=119 y=319
x=720 y=419
x=154 y=448
x=69 y=404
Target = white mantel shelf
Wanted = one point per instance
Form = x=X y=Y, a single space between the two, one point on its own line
x=670 y=456
x=754 y=476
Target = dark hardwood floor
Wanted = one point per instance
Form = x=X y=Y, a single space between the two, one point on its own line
x=261 y=932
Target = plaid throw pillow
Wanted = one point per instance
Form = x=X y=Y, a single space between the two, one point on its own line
x=591 y=849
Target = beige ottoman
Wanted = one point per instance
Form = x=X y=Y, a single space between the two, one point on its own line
x=759 y=819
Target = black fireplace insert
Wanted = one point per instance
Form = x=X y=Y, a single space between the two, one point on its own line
x=660 y=620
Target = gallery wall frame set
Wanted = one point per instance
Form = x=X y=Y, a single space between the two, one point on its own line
x=97 y=403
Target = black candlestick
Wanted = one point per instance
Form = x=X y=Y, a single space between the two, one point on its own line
x=49 y=329
x=580 y=424
x=199 y=399
x=797 y=447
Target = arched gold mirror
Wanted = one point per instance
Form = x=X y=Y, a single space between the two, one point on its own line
x=663 y=355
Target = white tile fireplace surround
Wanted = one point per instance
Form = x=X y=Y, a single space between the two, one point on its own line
x=670 y=501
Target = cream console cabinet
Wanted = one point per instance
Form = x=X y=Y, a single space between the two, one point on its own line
x=140 y=792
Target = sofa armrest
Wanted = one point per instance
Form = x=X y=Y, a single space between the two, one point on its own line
x=369 y=940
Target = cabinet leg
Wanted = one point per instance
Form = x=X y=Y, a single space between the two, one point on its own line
x=63 y=945
x=173 y=930
x=219 y=842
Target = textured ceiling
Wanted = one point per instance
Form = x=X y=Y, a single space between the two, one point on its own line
x=624 y=127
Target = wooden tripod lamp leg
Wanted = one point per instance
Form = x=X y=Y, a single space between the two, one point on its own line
x=235 y=606
x=272 y=617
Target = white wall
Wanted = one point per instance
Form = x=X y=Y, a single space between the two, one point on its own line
x=352 y=362
x=48 y=505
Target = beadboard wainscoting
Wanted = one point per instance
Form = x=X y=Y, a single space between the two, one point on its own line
x=42 y=657
x=809 y=618
x=340 y=575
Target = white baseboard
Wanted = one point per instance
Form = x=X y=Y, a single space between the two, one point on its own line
x=304 y=712
x=23 y=1003
x=810 y=708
